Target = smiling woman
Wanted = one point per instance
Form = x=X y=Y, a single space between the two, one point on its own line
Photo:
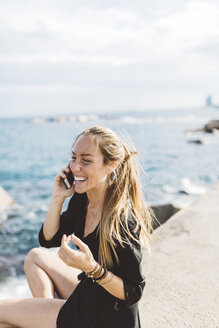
x=99 y=283
x=87 y=166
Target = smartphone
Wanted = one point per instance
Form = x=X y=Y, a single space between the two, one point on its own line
x=73 y=246
x=69 y=180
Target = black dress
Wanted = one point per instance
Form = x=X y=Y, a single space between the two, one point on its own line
x=90 y=305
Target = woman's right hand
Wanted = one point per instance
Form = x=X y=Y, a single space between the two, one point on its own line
x=59 y=190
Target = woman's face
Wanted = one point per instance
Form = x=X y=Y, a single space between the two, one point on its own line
x=87 y=166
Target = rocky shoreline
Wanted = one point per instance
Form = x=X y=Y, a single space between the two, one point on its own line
x=210 y=127
x=71 y=118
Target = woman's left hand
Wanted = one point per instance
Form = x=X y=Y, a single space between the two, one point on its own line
x=81 y=259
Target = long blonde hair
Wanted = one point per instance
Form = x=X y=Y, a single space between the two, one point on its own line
x=124 y=195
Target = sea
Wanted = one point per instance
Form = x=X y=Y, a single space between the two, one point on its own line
x=179 y=164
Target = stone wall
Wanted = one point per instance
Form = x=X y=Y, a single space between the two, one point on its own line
x=183 y=269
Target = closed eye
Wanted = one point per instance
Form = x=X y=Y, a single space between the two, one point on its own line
x=84 y=160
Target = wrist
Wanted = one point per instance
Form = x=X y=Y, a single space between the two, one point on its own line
x=106 y=279
x=92 y=268
x=103 y=274
x=96 y=271
x=57 y=201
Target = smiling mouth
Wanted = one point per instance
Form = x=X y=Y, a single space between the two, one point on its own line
x=80 y=179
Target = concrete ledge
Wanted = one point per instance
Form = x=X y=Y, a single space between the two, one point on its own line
x=182 y=271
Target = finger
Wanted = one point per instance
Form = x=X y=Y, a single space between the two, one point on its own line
x=58 y=178
x=79 y=243
x=68 y=239
x=65 y=246
x=66 y=170
x=64 y=240
x=63 y=174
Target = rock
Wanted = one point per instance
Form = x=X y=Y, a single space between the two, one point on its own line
x=5 y=198
x=72 y=119
x=82 y=118
x=196 y=141
x=215 y=131
x=5 y=202
x=189 y=132
x=163 y=213
x=182 y=269
x=210 y=126
x=61 y=119
x=37 y=120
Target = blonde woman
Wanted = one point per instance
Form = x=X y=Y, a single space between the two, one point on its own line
x=100 y=283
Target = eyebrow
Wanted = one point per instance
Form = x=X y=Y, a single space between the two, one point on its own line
x=83 y=154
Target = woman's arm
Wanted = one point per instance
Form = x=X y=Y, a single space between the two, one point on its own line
x=83 y=260
x=59 y=194
x=52 y=221
x=114 y=285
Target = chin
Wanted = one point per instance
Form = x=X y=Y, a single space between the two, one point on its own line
x=79 y=190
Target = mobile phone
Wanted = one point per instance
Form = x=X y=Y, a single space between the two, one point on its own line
x=69 y=180
x=73 y=246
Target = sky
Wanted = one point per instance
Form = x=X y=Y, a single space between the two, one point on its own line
x=74 y=56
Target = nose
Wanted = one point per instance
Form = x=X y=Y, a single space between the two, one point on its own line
x=74 y=165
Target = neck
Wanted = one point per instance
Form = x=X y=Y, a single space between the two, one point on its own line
x=96 y=198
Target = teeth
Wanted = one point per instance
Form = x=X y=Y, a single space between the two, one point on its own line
x=80 y=179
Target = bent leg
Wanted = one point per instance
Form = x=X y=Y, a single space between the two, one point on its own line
x=45 y=272
x=29 y=313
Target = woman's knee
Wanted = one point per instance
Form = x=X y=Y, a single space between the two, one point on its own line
x=32 y=258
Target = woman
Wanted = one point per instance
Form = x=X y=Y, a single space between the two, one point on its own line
x=108 y=215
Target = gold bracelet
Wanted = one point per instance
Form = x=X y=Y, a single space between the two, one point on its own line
x=92 y=271
x=102 y=275
x=98 y=272
x=103 y=283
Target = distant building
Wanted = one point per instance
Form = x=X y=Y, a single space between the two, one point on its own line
x=209 y=101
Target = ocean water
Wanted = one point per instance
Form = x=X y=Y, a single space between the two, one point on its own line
x=31 y=154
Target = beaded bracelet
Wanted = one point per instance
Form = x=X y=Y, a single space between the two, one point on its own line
x=97 y=273
x=105 y=272
x=103 y=283
x=93 y=271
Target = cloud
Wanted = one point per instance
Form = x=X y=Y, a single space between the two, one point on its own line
x=135 y=51
x=111 y=36
x=192 y=27
x=39 y=89
x=53 y=59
